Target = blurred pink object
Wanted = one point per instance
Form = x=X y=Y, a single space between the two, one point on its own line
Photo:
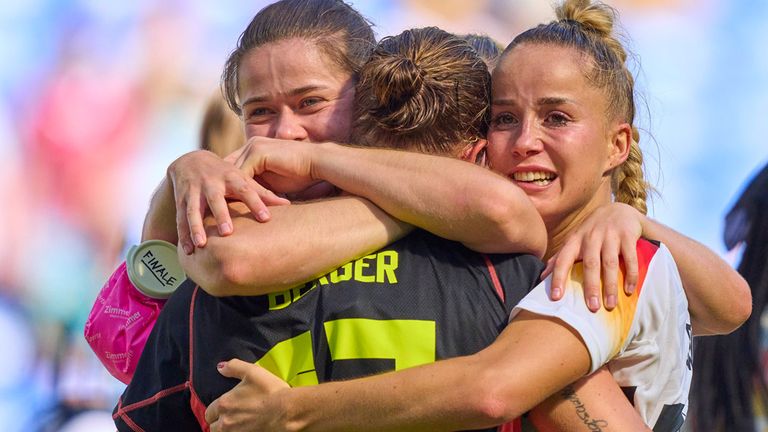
x=119 y=324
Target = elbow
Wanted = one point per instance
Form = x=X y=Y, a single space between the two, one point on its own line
x=736 y=313
x=742 y=308
x=218 y=274
x=496 y=402
x=520 y=227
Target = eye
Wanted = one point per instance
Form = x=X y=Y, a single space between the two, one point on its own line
x=310 y=101
x=257 y=112
x=503 y=120
x=557 y=119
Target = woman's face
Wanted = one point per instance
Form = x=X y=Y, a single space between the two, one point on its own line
x=550 y=134
x=290 y=90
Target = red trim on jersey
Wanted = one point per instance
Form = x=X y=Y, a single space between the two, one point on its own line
x=645 y=252
x=515 y=425
x=122 y=412
x=198 y=409
x=131 y=424
x=195 y=404
x=150 y=400
x=191 y=333
x=494 y=278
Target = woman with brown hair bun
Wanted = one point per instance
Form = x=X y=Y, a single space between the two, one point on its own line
x=420 y=299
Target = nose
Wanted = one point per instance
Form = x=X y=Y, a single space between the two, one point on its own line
x=526 y=142
x=288 y=126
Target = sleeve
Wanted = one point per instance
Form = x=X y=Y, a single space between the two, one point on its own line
x=160 y=397
x=119 y=324
x=605 y=333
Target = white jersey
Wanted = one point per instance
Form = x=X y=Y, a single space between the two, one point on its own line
x=645 y=340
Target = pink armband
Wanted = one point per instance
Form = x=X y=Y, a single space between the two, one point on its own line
x=123 y=315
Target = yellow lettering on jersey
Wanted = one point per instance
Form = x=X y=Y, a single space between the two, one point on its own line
x=279 y=300
x=379 y=267
x=361 y=265
x=283 y=299
x=386 y=264
x=343 y=273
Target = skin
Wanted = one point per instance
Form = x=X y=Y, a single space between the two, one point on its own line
x=303 y=107
x=568 y=192
x=523 y=133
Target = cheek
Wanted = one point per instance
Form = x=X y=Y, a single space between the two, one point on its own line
x=341 y=120
x=498 y=157
x=257 y=130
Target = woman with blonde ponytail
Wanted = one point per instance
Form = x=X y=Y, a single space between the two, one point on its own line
x=562 y=129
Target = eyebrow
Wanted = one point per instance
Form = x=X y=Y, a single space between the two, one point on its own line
x=553 y=100
x=293 y=92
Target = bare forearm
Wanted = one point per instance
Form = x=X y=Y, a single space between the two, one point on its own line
x=719 y=299
x=301 y=242
x=449 y=197
x=594 y=403
x=489 y=388
x=419 y=399
x=160 y=221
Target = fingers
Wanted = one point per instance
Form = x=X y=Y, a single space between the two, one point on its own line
x=631 y=273
x=194 y=215
x=591 y=259
x=254 y=375
x=212 y=413
x=255 y=196
x=234 y=368
x=562 y=266
x=548 y=269
x=182 y=228
x=610 y=261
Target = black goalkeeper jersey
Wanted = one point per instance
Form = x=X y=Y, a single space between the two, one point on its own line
x=421 y=299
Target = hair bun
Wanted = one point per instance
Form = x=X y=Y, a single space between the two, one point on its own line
x=400 y=80
x=595 y=17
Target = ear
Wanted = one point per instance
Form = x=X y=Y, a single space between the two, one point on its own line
x=621 y=140
x=475 y=152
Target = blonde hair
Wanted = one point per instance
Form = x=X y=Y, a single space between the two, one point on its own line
x=425 y=90
x=588 y=26
x=221 y=131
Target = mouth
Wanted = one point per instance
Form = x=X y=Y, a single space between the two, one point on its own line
x=538 y=178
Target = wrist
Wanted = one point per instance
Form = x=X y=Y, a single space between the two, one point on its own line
x=286 y=402
x=323 y=159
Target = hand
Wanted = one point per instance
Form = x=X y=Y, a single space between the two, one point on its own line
x=200 y=180
x=606 y=235
x=285 y=166
x=246 y=407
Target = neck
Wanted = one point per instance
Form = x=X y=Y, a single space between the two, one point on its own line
x=558 y=230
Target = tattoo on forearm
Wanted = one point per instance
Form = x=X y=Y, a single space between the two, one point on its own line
x=569 y=394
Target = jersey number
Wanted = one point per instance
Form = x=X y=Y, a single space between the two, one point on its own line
x=408 y=342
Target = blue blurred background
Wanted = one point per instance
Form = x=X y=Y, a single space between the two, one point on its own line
x=97 y=98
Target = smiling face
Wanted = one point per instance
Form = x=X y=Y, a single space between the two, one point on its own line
x=290 y=90
x=550 y=133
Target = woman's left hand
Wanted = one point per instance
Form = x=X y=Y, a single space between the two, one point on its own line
x=606 y=238
x=245 y=407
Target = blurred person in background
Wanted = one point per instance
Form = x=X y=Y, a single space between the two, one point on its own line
x=730 y=389
x=222 y=131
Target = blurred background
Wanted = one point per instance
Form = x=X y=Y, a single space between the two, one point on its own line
x=97 y=98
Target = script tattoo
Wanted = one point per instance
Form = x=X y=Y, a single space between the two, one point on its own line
x=569 y=394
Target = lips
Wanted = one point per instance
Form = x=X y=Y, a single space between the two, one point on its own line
x=538 y=177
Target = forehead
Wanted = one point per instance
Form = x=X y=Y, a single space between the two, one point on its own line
x=277 y=68
x=542 y=70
